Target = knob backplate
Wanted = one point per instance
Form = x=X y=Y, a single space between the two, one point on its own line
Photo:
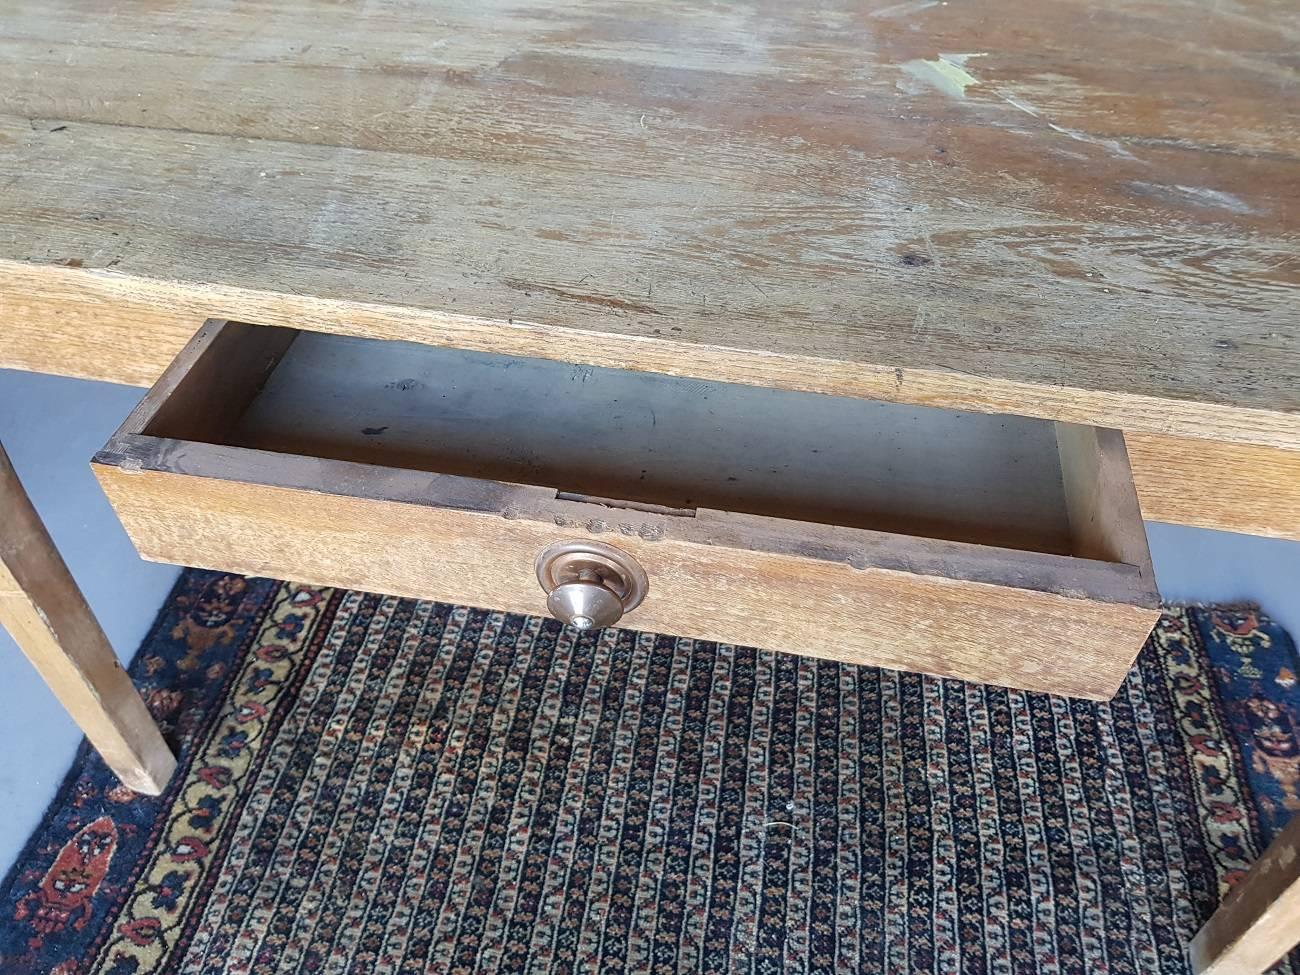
x=593 y=562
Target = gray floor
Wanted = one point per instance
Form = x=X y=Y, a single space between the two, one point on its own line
x=51 y=426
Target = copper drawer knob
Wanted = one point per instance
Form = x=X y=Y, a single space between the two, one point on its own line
x=590 y=585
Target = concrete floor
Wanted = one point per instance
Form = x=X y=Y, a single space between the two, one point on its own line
x=51 y=426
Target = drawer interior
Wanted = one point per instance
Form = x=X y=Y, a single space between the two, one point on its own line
x=642 y=438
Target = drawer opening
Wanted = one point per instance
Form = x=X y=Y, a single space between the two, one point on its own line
x=666 y=442
x=989 y=548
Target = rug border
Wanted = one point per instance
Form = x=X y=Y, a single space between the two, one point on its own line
x=84 y=748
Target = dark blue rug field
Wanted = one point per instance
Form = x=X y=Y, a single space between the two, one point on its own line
x=371 y=784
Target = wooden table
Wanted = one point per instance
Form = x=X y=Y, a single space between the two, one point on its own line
x=1075 y=211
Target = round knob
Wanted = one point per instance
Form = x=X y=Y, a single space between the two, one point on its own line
x=590 y=585
x=585 y=605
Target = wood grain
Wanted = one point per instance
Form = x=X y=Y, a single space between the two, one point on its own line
x=45 y=613
x=790 y=601
x=1259 y=921
x=97 y=327
x=1231 y=487
x=1076 y=211
x=1100 y=496
x=211 y=381
x=1065 y=575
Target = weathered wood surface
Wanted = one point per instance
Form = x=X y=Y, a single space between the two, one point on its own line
x=81 y=327
x=759 y=584
x=1073 y=210
x=1232 y=487
x=44 y=611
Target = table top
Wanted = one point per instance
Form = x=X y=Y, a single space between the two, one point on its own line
x=1082 y=210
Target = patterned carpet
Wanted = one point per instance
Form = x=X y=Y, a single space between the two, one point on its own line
x=370 y=784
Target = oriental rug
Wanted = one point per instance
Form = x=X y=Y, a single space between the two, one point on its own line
x=378 y=785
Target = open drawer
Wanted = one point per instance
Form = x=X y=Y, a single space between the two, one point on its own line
x=990 y=548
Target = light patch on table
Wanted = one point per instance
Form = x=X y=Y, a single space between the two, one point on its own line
x=947 y=72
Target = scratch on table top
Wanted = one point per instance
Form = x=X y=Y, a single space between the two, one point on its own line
x=1196 y=195
x=1112 y=145
x=905 y=9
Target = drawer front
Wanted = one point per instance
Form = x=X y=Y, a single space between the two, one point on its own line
x=1034 y=620
x=979 y=631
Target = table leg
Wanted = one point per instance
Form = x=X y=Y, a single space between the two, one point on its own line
x=46 y=614
x=1259 y=921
